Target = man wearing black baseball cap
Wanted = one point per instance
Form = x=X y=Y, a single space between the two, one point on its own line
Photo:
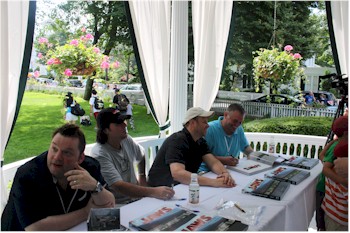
x=182 y=153
x=116 y=151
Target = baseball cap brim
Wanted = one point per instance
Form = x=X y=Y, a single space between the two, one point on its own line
x=196 y=112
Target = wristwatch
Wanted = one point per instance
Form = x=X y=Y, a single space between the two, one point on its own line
x=98 y=188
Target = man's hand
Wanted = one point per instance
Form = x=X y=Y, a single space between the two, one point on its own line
x=163 y=192
x=230 y=161
x=227 y=179
x=79 y=178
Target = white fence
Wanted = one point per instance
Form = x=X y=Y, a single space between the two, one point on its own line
x=271 y=110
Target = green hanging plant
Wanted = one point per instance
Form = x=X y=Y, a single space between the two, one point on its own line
x=276 y=67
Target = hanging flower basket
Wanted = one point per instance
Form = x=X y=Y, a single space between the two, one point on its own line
x=81 y=69
x=276 y=67
x=76 y=57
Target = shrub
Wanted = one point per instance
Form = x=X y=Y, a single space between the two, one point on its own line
x=317 y=126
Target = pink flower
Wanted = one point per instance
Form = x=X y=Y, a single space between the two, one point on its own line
x=43 y=40
x=68 y=72
x=82 y=38
x=55 y=61
x=104 y=65
x=50 y=61
x=40 y=55
x=89 y=36
x=116 y=64
x=36 y=74
x=74 y=42
x=297 y=56
x=83 y=29
x=96 y=50
x=288 y=48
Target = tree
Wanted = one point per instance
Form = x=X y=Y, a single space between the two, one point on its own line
x=254 y=29
x=323 y=51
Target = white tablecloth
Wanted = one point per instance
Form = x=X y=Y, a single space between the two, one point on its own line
x=293 y=213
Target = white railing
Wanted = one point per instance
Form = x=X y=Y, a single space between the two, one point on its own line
x=291 y=144
x=272 y=110
x=288 y=144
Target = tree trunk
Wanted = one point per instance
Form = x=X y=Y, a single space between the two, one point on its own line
x=88 y=88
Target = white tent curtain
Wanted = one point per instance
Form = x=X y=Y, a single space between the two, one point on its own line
x=151 y=20
x=211 y=24
x=14 y=17
x=340 y=18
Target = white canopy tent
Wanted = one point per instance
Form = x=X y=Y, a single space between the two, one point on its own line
x=211 y=24
x=16 y=33
x=17 y=26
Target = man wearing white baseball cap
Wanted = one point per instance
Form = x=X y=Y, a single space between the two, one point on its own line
x=182 y=153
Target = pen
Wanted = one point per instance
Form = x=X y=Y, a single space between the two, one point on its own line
x=180 y=206
x=172 y=186
x=238 y=207
x=176 y=199
x=236 y=159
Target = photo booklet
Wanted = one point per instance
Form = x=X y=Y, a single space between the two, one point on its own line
x=288 y=174
x=178 y=219
x=257 y=162
x=268 y=188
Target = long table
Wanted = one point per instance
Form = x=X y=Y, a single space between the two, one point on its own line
x=293 y=213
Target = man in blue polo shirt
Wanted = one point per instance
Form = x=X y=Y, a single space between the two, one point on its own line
x=225 y=137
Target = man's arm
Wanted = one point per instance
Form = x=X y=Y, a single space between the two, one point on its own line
x=248 y=150
x=183 y=176
x=142 y=172
x=61 y=222
x=324 y=150
x=218 y=168
x=79 y=178
x=329 y=172
x=134 y=190
x=341 y=167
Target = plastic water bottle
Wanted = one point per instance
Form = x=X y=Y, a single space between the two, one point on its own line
x=194 y=189
x=272 y=146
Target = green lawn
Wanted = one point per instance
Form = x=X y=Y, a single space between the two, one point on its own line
x=41 y=114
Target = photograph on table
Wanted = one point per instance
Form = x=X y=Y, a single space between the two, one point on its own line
x=269 y=188
x=288 y=174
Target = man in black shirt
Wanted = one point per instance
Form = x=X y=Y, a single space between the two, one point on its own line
x=56 y=190
x=182 y=153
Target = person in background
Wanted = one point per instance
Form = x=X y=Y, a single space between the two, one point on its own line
x=182 y=153
x=69 y=102
x=56 y=190
x=122 y=103
x=93 y=111
x=327 y=156
x=116 y=151
x=323 y=100
x=335 y=201
x=225 y=137
x=310 y=98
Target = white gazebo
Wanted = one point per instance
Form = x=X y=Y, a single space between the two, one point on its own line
x=160 y=30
